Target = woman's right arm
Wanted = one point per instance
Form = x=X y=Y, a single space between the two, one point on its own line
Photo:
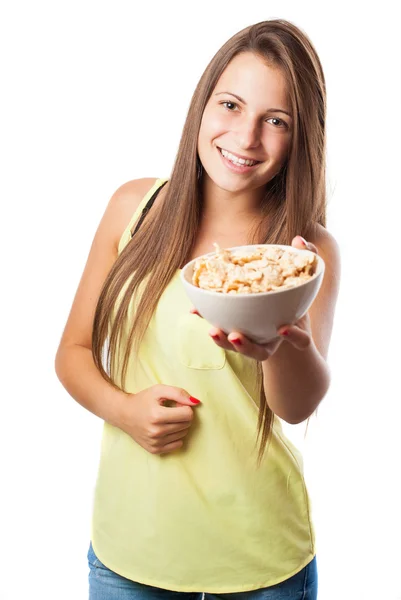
x=74 y=363
x=143 y=416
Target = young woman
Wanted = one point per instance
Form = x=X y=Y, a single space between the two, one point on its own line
x=186 y=500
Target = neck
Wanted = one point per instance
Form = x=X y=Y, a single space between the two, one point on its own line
x=225 y=206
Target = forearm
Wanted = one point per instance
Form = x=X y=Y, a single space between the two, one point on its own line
x=295 y=381
x=79 y=375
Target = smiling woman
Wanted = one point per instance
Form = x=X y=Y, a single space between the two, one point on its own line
x=185 y=500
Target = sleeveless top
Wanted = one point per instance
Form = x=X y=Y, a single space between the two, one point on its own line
x=203 y=518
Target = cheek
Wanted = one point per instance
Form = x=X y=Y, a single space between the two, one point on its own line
x=212 y=126
x=278 y=145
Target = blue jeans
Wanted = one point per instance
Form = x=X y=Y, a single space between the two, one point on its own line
x=107 y=585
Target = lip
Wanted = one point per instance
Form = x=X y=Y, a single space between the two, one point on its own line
x=238 y=155
x=236 y=168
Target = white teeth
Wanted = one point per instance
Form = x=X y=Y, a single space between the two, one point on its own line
x=236 y=160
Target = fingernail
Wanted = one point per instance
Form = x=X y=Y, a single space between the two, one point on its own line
x=303 y=242
x=215 y=336
x=285 y=332
x=194 y=400
x=236 y=341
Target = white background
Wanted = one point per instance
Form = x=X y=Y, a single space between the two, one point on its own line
x=95 y=94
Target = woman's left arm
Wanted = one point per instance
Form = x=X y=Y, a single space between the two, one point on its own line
x=296 y=375
x=295 y=372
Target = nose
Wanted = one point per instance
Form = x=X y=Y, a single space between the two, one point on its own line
x=248 y=134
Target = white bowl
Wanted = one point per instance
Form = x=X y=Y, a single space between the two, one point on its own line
x=258 y=315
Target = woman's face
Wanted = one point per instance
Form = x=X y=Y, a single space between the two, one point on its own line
x=246 y=116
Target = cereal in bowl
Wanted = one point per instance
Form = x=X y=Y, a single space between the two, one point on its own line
x=253 y=270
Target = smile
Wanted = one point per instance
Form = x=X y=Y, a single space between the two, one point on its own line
x=236 y=160
x=237 y=164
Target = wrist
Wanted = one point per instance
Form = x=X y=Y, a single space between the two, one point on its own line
x=118 y=416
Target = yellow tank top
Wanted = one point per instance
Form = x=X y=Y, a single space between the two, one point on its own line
x=203 y=518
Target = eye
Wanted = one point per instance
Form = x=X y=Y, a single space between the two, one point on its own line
x=229 y=105
x=277 y=122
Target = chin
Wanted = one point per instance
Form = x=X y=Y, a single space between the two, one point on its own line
x=232 y=182
x=227 y=183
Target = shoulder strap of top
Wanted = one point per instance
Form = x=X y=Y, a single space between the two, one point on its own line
x=140 y=213
x=147 y=208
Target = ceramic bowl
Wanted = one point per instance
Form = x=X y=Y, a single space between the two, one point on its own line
x=258 y=315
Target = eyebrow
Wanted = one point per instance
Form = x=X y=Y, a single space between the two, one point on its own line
x=243 y=102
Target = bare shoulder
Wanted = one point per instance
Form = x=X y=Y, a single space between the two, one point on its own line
x=102 y=256
x=323 y=308
x=327 y=247
x=129 y=194
x=124 y=203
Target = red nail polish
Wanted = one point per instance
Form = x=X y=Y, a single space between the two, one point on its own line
x=285 y=332
x=194 y=400
x=215 y=336
x=236 y=341
x=303 y=242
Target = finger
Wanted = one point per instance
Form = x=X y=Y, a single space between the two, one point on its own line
x=193 y=311
x=243 y=345
x=220 y=338
x=299 y=242
x=172 y=437
x=169 y=392
x=158 y=433
x=171 y=447
x=173 y=429
x=296 y=336
x=179 y=414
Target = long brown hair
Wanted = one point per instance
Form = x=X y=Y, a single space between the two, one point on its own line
x=295 y=199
